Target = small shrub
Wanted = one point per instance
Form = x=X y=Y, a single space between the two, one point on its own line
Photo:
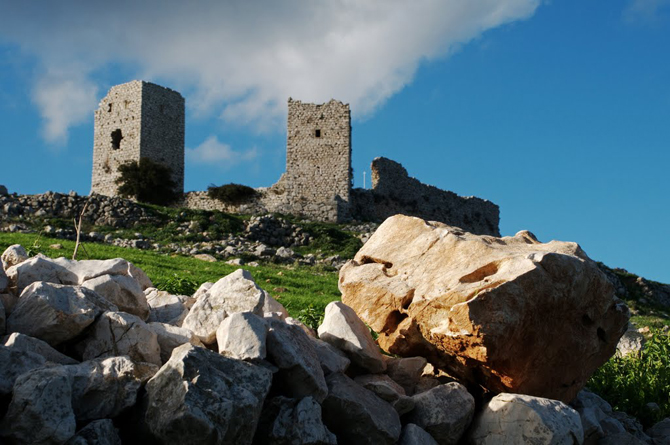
x=311 y=316
x=234 y=194
x=147 y=181
x=176 y=285
x=630 y=383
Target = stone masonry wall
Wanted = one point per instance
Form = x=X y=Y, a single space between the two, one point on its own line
x=393 y=192
x=318 y=152
x=137 y=119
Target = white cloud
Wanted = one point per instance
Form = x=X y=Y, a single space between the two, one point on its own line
x=214 y=151
x=645 y=10
x=243 y=59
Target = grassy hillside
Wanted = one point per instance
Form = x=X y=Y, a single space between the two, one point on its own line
x=304 y=291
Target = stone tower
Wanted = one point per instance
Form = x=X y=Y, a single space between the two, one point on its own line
x=137 y=120
x=318 y=152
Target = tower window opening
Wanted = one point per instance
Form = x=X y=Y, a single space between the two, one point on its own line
x=109 y=108
x=317 y=133
x=116 y=139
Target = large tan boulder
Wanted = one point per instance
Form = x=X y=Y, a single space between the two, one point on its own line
x=512 y=314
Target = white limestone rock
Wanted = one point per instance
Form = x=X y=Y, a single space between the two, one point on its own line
x=356 y=415
x=660 y=432
x=98 y=432
x=631 y=342
x=523 y=419
x=165 y=307
x=415 y=435
x=199 y=396
x=332 y=359
x=236 y=292
x=85 y=270
x=292 y=351
x=272 y=306
x=388 y=390
x=243 y=336
x=119 y=333
x=295 y=322
x=3 y=318
x=202 y=290
x=24 y=343
x=4 y=281
x=121 y=290
x=13 y=363
x=445 y=412
x=13 y=255
x=170 y=337
x=55 y=313
x=139 y=275
x=102 y=388
x=41 y=408
x=343 y=329
x=405 y=371
x=293 y=421
x=35 y=269
x=8 y=301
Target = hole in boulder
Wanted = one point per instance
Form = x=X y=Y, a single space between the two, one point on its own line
x=392 y=321
x=588 y=321
x=369 y=260
x=602 y=335
x=480 y=274
x=407 y=299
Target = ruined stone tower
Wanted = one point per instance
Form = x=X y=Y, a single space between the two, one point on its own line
x=137 y=120
x=318 y=152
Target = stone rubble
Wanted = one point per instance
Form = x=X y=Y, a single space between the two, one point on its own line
x=103 y=375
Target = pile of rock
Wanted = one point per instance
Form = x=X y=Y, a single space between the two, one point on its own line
x=274 y=231
x=95 y=354
x=101 y=210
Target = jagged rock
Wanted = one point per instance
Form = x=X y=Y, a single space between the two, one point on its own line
x=484 y=308
x=518 y=418
x=272 y=306
x=331 y=359
x=170 y=337
x=631 y=425
x=631 y=341
x=13 y=363
x=292 y=351
x=291 y=421
x=86 y=270
x=165 y=307
x=103 y=388
x=139 y=275
x=405 y=371
x=343 y=329
x=236 y=292
x=660 y=432
x=24 y=343
x=41 y=409
x=98 y=432
x=622 y=438
x=356 y=415
x=35 y=269
x=242 y=336
x=55 y=313
x=199 y=396
x=13 y=255
x=595 y=413
x=121 y=290
x=4 y=282
x=203 y=289
x=8 y=300
x=445 y=412
x=306 y=329
x=3 y=318
x=388 y=390
x=119 y=333
x=415 y=435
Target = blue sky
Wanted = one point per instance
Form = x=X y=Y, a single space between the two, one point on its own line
x=559 y=112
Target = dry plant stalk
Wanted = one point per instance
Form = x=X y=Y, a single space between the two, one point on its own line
x=77 y=228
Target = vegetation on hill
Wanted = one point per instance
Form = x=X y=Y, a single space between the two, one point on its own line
x=234 y=194
x=146 y=181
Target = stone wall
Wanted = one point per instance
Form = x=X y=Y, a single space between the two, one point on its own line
x=137 y=119
x=318 y=152
x=393 y=192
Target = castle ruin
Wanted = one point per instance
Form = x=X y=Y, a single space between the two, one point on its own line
x=137 y=120
x=141 y=119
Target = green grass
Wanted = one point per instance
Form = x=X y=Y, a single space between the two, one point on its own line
x=304 y=291
x=630 y=383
